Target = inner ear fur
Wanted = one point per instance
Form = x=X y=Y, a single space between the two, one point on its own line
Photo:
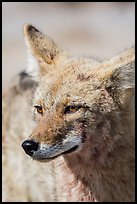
x=42 y=47
x=43 y=53
x=120 y=79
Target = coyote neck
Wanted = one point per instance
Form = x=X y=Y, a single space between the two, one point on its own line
x=77 y=183
x=70 y=187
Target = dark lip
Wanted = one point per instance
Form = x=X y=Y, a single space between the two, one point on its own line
x=73 y=149
x=70 y=150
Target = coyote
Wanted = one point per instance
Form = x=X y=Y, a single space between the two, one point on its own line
x=20 y=180
x=83 y=125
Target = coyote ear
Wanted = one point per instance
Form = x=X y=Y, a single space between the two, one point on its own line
x=43 y=52
x=121 y=81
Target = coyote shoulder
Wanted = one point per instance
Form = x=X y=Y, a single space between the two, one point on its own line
x=83 y=123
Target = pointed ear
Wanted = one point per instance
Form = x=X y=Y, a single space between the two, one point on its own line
x=120 y=81
x=43 y=52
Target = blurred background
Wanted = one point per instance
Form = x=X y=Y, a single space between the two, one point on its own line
x=101 y=29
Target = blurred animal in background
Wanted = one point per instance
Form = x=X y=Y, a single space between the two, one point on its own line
x=79 y=113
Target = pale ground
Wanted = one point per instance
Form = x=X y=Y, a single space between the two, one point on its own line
x=99 y=29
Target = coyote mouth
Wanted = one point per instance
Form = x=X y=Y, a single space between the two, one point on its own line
x=41 y=158
x=70 y=150
x=49 y=152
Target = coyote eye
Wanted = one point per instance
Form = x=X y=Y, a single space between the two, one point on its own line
x=71 y=109
x=39 y=109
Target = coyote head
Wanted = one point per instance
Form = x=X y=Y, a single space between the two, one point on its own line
x=80 y=105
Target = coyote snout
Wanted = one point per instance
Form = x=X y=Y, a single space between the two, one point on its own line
x=47 y=152
x=30 y=146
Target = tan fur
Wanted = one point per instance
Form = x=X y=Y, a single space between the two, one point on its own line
x=102 y=169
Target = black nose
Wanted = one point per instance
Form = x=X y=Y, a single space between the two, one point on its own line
x=30 y=146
